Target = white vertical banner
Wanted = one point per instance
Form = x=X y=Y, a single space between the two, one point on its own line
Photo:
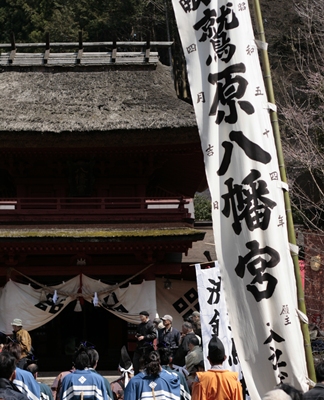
x=249 y=219
x=214 y=316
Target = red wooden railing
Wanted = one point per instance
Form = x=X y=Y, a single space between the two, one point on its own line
x=94 y=209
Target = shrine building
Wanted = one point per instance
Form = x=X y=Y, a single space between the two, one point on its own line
x=99 y=164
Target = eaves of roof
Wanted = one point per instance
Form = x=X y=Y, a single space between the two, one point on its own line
x=100 y=234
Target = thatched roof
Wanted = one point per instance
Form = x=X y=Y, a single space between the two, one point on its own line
x=89 y=101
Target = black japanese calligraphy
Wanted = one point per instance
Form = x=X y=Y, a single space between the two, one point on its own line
x=214 y=291
x=285 y=309
x=285 y=312
x=229 y=87
x=249 y=50
x=191 y=48
x=242 y=6
x=281 y=221
x=256 y=262
x=192 y=5
x=201 y=97
x=251 y=149
x=273 y=336
x=276 y=354
x=258 y=91
x=233 y=357
x=274 y=176
x=210 y=150
x=215 y=29
x=248 y=202
x=214 y=322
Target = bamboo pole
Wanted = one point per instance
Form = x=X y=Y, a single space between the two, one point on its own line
x=290 y=222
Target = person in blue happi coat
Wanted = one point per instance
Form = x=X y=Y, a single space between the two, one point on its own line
x=154 y=382
x=24 y=380
x=83 y=383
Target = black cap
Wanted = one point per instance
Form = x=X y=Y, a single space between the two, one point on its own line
x=125 y=361
x=144 y=313
x=216 y=349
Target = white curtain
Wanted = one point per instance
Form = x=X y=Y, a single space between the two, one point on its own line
x=35 y=307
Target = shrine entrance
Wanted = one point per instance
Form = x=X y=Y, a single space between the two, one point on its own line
x=56 y=341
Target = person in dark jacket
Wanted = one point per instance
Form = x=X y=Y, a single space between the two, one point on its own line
x=180 y=356
x=8 y=390
x=317 y=393
x=196 y=324
x=145 y=335
x=169 y=336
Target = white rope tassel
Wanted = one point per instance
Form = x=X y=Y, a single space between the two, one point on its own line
x=152 y=386
x=125 y=373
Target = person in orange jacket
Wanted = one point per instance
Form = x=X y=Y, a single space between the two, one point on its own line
x=216 y=383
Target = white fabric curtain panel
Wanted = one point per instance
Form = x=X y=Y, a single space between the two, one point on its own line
x=35 y=307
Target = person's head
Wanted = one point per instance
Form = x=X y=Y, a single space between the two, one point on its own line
x=156 y=322
x=186 y=327
x=33 y=368
x=166 y=355
x=167 y=320
x=195 y=316
x=152 y=363
x=216 y=351
x=193 y=342
x=144 y=316
x=93 y=358
x=7 y=366
x=294 y=393
x=200 y=367
x=81 y=360
x=319 y=370
x=125 y=361
x=14 y=349
x=16 y=324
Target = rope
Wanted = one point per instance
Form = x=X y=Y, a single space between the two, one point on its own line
x=85 y=296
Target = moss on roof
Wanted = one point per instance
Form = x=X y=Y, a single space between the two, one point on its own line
x=89 y=101
x=96 y=233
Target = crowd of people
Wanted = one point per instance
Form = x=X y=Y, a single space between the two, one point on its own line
x=167 y=365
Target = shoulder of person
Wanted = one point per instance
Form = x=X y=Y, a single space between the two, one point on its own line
x=169 y=374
